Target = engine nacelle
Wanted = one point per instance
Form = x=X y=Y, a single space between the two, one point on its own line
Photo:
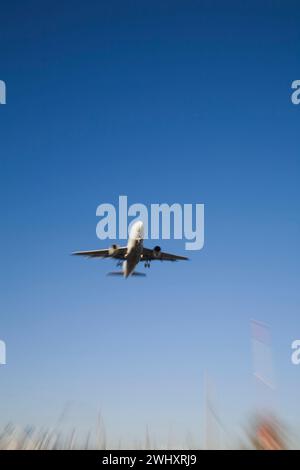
x=113 y=250
x=157 y=252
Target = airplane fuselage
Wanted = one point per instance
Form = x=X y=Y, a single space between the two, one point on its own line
x=134 y=248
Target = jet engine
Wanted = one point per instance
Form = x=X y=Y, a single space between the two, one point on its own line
x=113 y=250
x=157 y=252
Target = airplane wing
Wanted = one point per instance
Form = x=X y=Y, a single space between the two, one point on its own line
x=156 y=254
x=118 y=253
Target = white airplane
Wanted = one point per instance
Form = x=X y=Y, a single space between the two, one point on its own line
x=129 y=256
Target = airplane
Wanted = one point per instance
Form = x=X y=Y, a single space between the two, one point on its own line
x=129 y=256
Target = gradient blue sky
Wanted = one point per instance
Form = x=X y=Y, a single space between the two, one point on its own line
x=164 y=101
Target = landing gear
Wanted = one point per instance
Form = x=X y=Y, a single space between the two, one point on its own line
x=147 y=264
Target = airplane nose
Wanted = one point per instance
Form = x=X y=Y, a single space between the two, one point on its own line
x=137 y=230
x=138 y=227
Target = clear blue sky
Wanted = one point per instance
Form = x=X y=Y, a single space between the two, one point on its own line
x=164 y=101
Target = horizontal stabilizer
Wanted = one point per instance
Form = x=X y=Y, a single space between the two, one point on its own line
x=120 y=273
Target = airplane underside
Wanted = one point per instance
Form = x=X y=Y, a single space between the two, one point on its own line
x=129 y=256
